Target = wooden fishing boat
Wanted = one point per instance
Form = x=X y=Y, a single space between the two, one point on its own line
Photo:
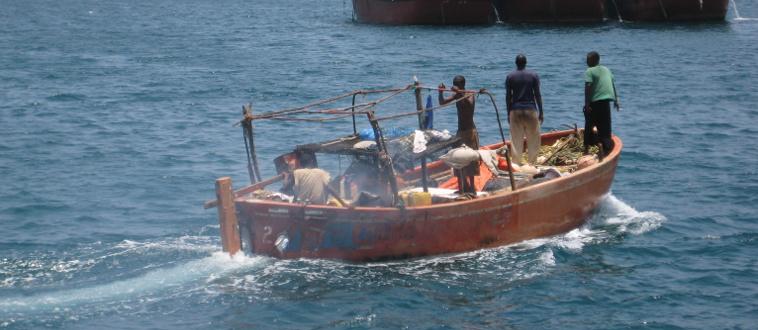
x=354 y=233
x=425 y=12
x=672 y=10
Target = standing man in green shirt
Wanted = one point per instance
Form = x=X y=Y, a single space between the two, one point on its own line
x=599 y=92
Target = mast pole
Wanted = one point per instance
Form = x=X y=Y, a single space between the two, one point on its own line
x=421 y=126
x=355 y=130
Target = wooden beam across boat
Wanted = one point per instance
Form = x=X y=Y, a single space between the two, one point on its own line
x=246 y=190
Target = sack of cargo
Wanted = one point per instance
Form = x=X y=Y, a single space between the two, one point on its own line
x=459 y=158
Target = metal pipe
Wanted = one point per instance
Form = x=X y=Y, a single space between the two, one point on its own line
x=385 y=160
x=497 y=114
x=248 y=125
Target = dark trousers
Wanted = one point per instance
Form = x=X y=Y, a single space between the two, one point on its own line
x=599 y=117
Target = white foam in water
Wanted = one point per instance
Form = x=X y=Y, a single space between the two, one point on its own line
x=613 y=211
x=737 y=16
x=548 y=258
x=185 y=243
x=612 y=216
x=158 y=280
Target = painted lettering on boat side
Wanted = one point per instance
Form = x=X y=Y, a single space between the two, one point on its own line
x=473 y=212
x=279 y=210
x=266 y=239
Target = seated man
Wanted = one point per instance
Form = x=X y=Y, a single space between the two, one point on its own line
x=308 y=185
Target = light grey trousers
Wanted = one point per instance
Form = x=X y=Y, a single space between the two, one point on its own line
x=525 y=124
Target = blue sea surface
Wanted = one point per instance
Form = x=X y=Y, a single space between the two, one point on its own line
x=116 y=117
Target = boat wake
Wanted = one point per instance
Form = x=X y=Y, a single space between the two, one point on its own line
x=155 y=281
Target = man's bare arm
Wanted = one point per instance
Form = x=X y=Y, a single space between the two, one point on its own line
x=442 y=99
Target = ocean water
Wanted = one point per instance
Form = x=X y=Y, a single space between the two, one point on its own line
x=116 y=117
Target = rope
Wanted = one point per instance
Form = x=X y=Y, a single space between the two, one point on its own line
x=272 y=114
x=365 y=108
x=314 y=120
x=405 y=114
x=465 y=91
x=249 y=161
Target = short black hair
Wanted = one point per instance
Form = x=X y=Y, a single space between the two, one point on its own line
x=521 y=61
x=593 y=58
x=459 y=81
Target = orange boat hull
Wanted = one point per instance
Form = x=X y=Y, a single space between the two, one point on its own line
x=371 y=234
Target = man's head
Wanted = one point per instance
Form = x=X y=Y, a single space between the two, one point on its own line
x=521 y=61
x=593 y=58
x=459 y=82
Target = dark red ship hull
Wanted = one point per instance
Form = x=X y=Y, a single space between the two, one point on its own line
x=547 y=11
x=425 y=12
x=672 y=10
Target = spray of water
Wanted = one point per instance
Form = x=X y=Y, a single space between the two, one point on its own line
x=737 y=16
x=497 y=14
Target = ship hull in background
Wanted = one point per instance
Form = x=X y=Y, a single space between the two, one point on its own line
x=485 y=12
x=425 y=12
x=672 y=10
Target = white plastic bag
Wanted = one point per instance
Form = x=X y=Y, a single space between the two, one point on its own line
x=419 y=142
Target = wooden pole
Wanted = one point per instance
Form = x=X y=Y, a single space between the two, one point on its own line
x=227 y=216
x=250 y=171
x=421 y=126
x=510 y=168
x=355 y=129
x=247 y=190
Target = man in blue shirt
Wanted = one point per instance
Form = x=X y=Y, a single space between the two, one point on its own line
x=524 y=102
